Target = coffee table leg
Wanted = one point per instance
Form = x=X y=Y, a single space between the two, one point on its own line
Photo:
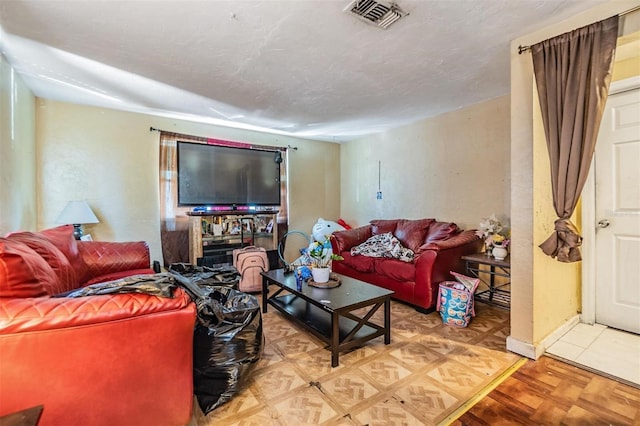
x=335 y=339
x=387 y=321
x=265 y=285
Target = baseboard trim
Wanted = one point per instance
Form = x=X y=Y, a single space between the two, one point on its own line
x=521 y=348
x=559 y=332
x=535 y=351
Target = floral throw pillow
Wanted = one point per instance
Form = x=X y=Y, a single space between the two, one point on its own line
x=383 y=245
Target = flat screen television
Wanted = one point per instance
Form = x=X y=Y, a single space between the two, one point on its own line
x=212 y=175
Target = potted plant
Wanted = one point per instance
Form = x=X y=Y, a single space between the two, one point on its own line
x=320 y=268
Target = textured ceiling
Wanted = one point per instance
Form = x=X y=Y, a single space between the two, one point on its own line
x=303 y=67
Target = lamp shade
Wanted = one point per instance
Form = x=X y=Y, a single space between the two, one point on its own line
x=77 y=213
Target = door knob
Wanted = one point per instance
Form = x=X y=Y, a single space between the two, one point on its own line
x=604 y=223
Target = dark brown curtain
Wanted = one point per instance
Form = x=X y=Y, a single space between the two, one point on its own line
x=174 y=222
x=572 y=73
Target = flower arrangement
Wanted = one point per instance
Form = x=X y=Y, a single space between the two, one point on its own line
x=490 y=230
x=489 y=226
x=499 y=240
x=319 y=254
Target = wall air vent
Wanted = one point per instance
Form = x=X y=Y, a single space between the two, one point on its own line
x=377 y=13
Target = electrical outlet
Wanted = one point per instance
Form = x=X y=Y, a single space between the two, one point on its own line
x=379 y=195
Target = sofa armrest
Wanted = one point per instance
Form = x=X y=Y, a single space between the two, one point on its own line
x=35 y=314
x=344 y=240
x=133 y=346
x=105 y=258
x=437 y=259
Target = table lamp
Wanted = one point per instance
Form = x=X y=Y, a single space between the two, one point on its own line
x=77 y=213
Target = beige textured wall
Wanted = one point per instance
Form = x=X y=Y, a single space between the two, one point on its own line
x=454 y=167
x=628 y=48
x=626 y=69
x=110 y=158
x=17 y=153
x=557 y=289
x=545 y=293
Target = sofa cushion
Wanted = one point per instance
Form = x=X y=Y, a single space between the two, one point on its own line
x=382 y=226
x=62 y=237
x=396 y=269
x=441 y=231
x=66 y=276
x=359 y=263
x=412 y=233
x=23 y=272
x=344 y=240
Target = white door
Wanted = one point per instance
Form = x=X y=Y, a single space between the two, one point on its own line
x=617 y=174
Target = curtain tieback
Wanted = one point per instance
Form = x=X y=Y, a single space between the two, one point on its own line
x=564 y=243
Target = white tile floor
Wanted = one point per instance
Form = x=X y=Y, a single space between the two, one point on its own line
x=601 y=348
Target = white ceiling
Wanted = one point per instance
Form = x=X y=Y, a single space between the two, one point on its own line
x=299 y=67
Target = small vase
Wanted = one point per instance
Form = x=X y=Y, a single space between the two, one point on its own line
x=499 y=252
x=487 y=249
x=320 y=275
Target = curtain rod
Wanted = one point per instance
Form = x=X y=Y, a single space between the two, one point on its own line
x=522 y=49
x=277 y=148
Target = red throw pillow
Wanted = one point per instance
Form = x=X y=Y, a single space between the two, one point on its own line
x=53 y=256
x=23 y=272
x=62 y=237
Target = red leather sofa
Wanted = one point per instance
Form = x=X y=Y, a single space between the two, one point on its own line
x=121 y=359
x=438 y=248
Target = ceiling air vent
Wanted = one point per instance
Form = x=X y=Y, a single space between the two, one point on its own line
x=377 y=13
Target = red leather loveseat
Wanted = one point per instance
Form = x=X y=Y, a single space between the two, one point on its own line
x=120 y=359
x=437 y=247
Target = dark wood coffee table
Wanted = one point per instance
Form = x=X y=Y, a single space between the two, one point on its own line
x=328 y=313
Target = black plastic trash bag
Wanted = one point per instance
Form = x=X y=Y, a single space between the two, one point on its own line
x=227 y=343
x=161 y=285
x=226 y=350
x=202 y=275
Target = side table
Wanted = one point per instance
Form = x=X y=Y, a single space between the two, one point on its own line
x=497 y=293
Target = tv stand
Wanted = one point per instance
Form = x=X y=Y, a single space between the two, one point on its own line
x=213 y=235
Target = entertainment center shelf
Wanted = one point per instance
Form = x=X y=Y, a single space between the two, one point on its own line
x=215 y=234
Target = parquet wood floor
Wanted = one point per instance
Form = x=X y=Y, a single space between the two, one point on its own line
x=425 y=376
x=427 y=372
x=551 y=392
